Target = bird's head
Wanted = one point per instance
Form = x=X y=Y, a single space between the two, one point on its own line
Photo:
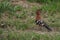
x=38 y=12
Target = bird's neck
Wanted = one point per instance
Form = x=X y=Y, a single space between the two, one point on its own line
x=38 y=17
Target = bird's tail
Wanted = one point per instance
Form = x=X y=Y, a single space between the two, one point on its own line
x=42 y=23
x=47 y=27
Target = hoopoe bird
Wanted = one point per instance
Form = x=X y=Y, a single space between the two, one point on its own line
x=40 y=22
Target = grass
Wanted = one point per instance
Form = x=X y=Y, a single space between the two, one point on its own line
x=1 y=31
x=13 y=35
x=25 y=18
x=21 y=26
x=52 y=12
x=49 y=9
x=43 y=1
x=7 y=6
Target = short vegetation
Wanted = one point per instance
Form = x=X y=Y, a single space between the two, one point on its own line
x=16 y=19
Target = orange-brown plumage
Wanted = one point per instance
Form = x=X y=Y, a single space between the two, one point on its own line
x=38 y=15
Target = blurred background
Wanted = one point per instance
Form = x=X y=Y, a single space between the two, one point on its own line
x=17 y=19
